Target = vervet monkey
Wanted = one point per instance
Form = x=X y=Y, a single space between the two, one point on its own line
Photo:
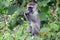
x=33 y=18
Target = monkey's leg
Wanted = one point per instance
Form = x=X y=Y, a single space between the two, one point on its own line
x=35 y=30
x=29 y=29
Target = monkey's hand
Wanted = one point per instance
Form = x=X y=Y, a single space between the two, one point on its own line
x=27 y=16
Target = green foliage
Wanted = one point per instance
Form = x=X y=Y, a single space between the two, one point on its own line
x=13 y=25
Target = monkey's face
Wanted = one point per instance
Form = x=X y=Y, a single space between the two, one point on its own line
x=30 y=9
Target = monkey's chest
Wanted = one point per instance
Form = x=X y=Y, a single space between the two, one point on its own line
x=33 y=23
x=34 y=18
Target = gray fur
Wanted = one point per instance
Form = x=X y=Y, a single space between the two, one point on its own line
x=33 y=19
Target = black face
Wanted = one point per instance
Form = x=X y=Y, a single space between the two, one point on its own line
x=30 y=9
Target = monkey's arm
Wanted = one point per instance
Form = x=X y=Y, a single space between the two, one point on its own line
x=27 y=17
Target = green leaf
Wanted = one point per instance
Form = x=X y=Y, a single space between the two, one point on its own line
x=44 y=29
x=11 y=9
x=43 y=2
x=43 y=16
x=54 y=27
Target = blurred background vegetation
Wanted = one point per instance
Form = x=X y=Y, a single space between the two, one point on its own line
x=13 y=23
